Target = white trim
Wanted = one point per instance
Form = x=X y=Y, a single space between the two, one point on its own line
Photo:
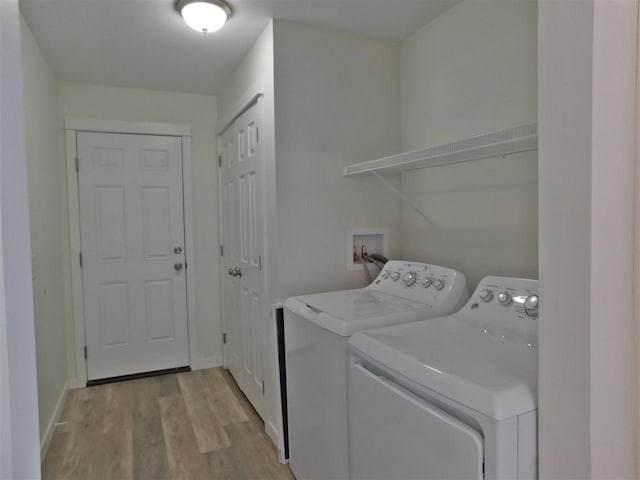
x=246 y=100
x=75 y=382
x=272 y=432
x=6 y=459
x=636 y=279
x=208 y=362
x=85 y=124
x=189 y=249
x=221 y=258
x=74 y=251
x=137 y=128
x=51 y=426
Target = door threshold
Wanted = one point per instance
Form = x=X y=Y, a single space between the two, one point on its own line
x=135 y=376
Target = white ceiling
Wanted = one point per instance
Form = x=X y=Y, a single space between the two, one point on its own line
x=145 y=43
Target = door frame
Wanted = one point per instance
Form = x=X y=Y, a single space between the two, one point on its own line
x=73 y=125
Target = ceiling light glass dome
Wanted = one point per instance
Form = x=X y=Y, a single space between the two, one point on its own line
x=204 y=16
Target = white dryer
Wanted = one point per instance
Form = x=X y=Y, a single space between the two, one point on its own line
x=317 y=328
x=449 y=398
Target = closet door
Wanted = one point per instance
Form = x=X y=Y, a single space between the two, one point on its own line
x=246 y=312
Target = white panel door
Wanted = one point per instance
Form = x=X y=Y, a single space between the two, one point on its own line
x=246 y=312
x=132 y=233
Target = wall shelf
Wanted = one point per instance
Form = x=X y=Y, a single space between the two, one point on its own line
x=511 y=140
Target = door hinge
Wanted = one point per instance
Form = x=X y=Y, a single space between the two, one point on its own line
x=262 y=387
x=85 y=352
x=224 y=338
x=80 y=258
x=220 y=160
x=77 y=164
x=222 y=250
x=260 y=263
x=257 y=135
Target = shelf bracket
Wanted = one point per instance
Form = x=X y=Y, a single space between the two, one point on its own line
x=402 y=197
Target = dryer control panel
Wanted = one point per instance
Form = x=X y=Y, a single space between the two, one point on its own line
x=505 y=307
x=421 y=282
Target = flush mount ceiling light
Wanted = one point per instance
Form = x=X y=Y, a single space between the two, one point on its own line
x=204 y=16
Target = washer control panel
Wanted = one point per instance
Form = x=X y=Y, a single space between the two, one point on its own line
x=422 y=282
x=417 y=275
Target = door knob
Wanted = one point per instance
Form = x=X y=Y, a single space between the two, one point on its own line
x=230 y=271
x=177 y=267
x=177 y=250
x=238 y=272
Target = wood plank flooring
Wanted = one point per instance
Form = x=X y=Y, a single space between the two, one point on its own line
x=194 y=425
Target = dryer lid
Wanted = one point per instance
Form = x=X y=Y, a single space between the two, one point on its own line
x=493 y=374
x=350 y=311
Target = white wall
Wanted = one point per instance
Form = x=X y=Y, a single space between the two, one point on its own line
x=337 y=103
x=45 y=168
x=471 y=71
x=588 y=374
x=200 y=111
x=19 y=452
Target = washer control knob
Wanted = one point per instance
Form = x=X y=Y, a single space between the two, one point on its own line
x=485 y=295
x=409 y=278
x=395 y=276
x=531 y=305
x=426 y=282
x=504 y=298
x=438 y=284
x=385 y=274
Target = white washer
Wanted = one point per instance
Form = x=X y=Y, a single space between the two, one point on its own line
x=452 y=397
x=317 y=328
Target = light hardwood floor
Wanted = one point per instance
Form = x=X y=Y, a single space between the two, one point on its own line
x=195 y=425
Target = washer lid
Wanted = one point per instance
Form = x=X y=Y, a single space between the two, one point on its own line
x=350 y=311
x=492 y=374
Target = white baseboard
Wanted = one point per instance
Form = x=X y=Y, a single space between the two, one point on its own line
x=75 y=382
x=208 y=362
x=51 y=426
x=272 y=432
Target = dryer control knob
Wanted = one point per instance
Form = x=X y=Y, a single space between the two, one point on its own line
x=485 y=295
x=438 y=284
x=395 y=276
x=385 y=274
x=504 y=298
x=409 y=278
x=531 y=305
x=426 y=282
